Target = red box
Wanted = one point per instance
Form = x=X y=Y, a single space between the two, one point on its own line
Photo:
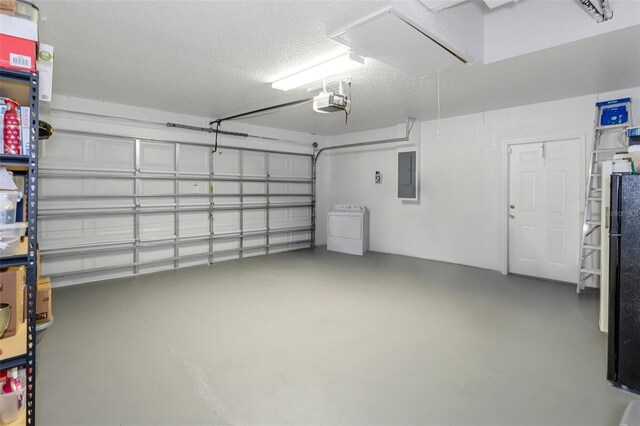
x=17 y=53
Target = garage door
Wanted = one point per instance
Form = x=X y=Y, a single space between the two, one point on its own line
x=113 y=206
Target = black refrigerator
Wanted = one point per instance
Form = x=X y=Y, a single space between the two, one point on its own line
x=624 y=285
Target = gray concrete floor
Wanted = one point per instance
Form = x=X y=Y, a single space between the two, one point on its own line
x=314 y=337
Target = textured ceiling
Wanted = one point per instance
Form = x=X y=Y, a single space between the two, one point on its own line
x=217 y=58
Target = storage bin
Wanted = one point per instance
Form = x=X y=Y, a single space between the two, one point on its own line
x=19 y=36
x=27 y=10
x=12 y=405
x=8 y=204
x=10 y=235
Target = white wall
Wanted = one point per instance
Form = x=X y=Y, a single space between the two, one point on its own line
x=460 y=216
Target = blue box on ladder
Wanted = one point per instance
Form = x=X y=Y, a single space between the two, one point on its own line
x=614 y=112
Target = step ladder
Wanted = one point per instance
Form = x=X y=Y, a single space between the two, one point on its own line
x=606 y=122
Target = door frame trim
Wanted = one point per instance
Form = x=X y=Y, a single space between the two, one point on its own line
x=504 y=210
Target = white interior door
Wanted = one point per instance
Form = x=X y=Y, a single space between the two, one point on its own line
x=544 y=210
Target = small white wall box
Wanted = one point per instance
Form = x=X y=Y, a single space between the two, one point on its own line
x=408 y=177
x=44 y=65
x=348 y=229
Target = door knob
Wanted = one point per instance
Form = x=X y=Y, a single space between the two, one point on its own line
x=512 y=206
x=512 y=216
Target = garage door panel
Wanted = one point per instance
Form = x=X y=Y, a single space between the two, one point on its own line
x=255 y=241
x=157 y=157
x=194 y=224
x=282 y=199
x=254 y=252
x=254 y=188
x=156 y=225
x=109 y=187
x=71 y=151
x=226 y=222
x=256 y=200
x=300 y=213
x=226 y=162
x=53 y=187
x=113 y=154
x=226 y=187
x=300 y=167
x=195 y=248
x=291 y=247
x=254 y=164
x=226 y=201
x=157 y=267
x=194 y=159
x=156 y=259
x=113 y=227
x=56 y=232
x=284 y=218
x=255 y=220
x=60 y=231
x=226 y=244
x=279 y=165
x=86 y=261
x=194 y=187
x=291 y=188
x=278 y=215
x=67 y=150
x=156 y=187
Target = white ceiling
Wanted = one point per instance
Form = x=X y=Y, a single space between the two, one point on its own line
x=218 y=58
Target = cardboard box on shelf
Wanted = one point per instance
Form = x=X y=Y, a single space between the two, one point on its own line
x=43 y=300
x=12 y=291
x=17 y=53
x=8 y=7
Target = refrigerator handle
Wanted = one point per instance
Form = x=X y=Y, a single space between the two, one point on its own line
x=614 y=294
x=614 y=277
x=615 y=214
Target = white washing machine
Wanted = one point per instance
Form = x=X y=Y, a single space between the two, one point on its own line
x=348 y=229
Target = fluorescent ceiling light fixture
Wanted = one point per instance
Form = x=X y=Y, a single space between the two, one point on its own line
x=325 y=69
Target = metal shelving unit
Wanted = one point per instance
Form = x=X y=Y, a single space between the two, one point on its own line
x=210 y=203
x=27 y=166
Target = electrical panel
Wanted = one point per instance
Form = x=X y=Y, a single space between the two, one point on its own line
x=407 y=175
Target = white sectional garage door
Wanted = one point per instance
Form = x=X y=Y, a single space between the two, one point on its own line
x=116 y=206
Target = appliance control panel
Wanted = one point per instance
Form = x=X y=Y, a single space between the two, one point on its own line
x=349 y=207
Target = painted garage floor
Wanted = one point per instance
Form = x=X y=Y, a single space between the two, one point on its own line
x=314 y=337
